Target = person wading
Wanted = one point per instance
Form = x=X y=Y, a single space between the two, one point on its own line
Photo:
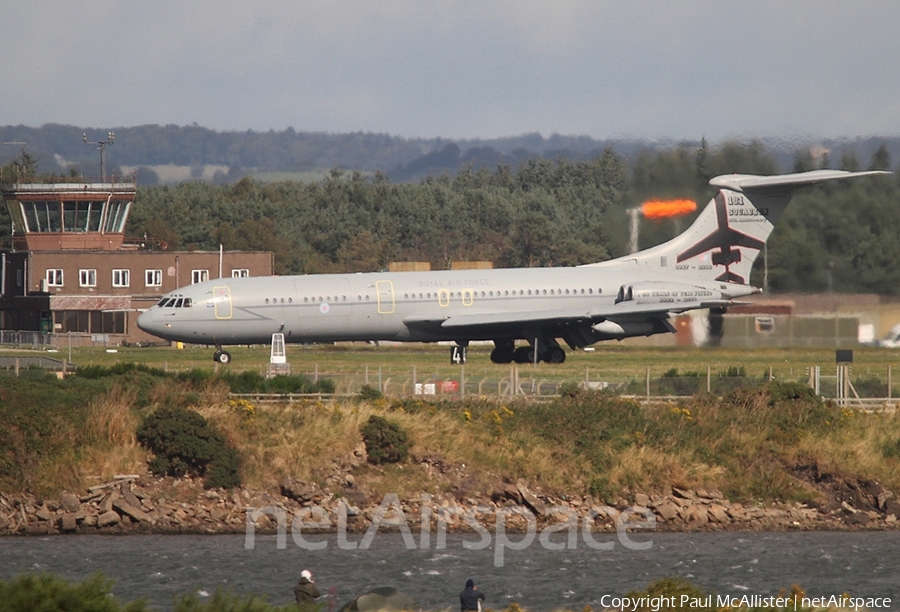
x=306 y=590
x=470 y=598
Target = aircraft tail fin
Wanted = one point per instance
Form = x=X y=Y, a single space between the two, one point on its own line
x=727 y=237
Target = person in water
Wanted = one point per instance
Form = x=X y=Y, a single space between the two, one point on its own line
x=306 y=590
x=470 y=598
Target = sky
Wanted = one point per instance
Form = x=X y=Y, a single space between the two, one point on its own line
x=458 y=68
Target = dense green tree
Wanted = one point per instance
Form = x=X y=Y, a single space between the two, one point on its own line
x=881 y=158
x=542 y=213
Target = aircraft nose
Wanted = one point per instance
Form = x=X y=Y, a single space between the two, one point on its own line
x=148 y=323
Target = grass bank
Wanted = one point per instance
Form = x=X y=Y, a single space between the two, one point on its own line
x=754 y=444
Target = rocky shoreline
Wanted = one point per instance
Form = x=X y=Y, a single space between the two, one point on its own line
x=140 y=504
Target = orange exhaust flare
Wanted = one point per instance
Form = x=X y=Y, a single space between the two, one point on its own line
x=663 y=209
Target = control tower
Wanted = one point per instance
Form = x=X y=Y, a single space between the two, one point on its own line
x=72 y=273
x=68 y=216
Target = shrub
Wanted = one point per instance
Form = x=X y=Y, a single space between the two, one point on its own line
x=254 y=382
x=788 y=391
x=385 y=441
x=184 y=443
x=570 y=389
x=46 y=592
x=118 y=369
x=370 y=393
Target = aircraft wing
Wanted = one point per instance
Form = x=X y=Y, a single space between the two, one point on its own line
x=518 y=319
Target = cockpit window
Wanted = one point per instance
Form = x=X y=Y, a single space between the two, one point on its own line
x=187 y=303
x=178 y=303
x=162 y=302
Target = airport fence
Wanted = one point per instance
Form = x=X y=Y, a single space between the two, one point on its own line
x=873 y=389
x=869 y=388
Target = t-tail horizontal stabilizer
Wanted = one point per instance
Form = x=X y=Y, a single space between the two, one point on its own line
x=724 y=241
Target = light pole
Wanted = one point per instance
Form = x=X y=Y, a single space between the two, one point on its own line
x=101 y=144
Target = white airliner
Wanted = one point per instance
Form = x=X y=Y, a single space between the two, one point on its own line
x=706 y=266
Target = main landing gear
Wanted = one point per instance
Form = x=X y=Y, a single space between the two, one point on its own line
x=221 y=356
x=505 y=351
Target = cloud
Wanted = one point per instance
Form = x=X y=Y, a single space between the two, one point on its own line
x=457 y=68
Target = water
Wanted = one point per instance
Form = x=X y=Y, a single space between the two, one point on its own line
x=160 y=567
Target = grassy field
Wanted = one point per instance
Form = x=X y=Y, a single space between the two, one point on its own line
x=353 y=365
x=751 y=443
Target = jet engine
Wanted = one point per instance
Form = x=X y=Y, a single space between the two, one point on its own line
x=666 y=293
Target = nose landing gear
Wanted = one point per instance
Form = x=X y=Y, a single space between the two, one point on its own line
x=220 y=356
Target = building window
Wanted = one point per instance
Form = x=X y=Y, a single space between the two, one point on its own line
x=87 y=278
x=54 y=278
x=90 y=322
x=240 y=273
x=153 y=278
x=199 y=276
x=121 y=278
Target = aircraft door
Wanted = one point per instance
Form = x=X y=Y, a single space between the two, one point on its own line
x=385 y=291
x=222 y=300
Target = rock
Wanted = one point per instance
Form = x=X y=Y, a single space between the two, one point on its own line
x=349 y=480
x=296 y=490
x=107 y=503
x=69 y=502
x=641 y=500
x=736 y=512
x=857 y=518
x=695 y=516
x=131 y=499
x=68 y=523
x=718 y=513
x=136 y=513
x=666 y=511
x=510 y=492
x=682 y=493
x=531 y=499
x=38 y=528
x=108 y=518
x=883 y=498
x=892 y=506
x=43 y=513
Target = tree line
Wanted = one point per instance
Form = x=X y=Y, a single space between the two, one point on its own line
x=542 y=212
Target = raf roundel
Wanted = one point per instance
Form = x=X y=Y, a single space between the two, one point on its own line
x=324 y=307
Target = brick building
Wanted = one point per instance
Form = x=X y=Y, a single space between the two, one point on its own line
x=71 y=269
